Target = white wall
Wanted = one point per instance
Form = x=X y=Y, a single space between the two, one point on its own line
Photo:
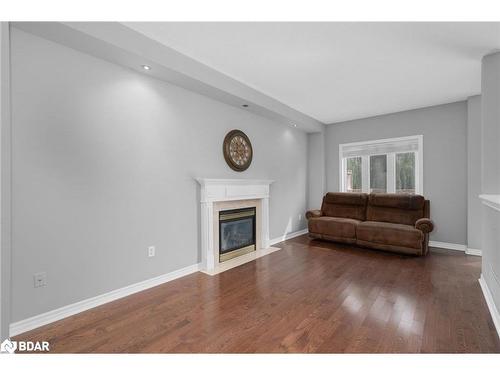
x=103 y=166
x=474 y=206
x=444 y=128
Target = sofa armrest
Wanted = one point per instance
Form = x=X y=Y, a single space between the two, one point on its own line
x=313 y=213
x=425 y=225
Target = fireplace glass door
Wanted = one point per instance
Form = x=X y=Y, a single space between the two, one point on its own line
x=236 y=233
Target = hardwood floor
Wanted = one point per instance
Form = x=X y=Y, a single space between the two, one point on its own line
x=311 y=296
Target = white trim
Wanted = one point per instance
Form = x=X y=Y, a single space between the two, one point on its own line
x=288 y=236
x=476 y=252
x=495 y=315
x=491 y=200
x=385 y=140
x=448 y=245
x=456 y=246
x=391 y=172
x=419 y=165
x=231 y=181
x=342 y=168
x=78 y=307
x=365 y=174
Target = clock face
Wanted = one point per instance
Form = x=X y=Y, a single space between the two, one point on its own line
x=237 y=150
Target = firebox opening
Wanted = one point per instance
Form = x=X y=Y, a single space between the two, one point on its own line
x=236 y=232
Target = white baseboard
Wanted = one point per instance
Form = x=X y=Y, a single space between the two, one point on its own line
x=442 y=245
x=447 y=245
x=456 y=246
x=78 y=307
x=288 y=236
x=471 y=251
x=495 y=315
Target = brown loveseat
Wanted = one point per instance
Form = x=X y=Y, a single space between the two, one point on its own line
x=391 y=222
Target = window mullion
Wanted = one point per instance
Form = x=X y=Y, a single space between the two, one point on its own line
x=343 y=173
x=365 y=174
x=391 y=173
x=418 y=175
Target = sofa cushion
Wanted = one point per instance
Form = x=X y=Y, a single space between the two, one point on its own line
x=334 y=226
x=403 y=201
x=389 y=234
x=345 y=205
x=395 y=208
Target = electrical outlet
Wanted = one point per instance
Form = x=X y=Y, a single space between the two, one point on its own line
x=151 y=251
x=40 y=279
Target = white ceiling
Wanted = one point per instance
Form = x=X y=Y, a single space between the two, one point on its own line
x=341 y=71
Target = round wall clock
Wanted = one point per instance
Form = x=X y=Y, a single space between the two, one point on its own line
x=237 y=150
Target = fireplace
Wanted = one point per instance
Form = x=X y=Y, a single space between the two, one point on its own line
x=236 y=232
x=218 y=195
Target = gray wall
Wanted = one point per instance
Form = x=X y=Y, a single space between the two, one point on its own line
x=103 y=166
x=490 y=162
x=5 y=197
x=490 y=104
x=316 y=181
x=490 y=268
x=474 y=206
x=445 y=158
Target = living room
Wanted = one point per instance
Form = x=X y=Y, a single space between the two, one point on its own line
x=250 y=187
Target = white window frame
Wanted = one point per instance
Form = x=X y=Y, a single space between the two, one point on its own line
x=391 y=164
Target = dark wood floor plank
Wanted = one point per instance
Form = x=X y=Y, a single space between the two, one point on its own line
x=309 y=297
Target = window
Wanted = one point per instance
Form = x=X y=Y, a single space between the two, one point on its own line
x=382 y=166
x=378 y=173
x=353 y=175
x=405 y=172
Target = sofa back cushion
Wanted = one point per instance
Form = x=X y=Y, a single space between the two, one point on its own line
x=395 y=208
x=348 y=205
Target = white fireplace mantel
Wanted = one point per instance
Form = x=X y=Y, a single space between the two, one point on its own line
x=213 y=189
x=222 y=190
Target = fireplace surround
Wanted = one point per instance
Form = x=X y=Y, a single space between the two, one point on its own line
x=218 y=195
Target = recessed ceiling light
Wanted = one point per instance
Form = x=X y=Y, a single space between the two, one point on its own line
x=294 y=125
x=146 y=67
x=244 y=105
